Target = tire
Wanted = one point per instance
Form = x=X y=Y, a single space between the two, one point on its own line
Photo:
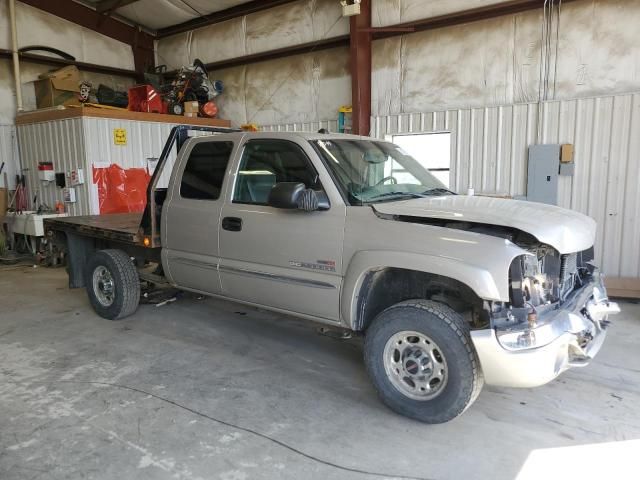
x=433 y=380
x=176 y=108
x=112 y=284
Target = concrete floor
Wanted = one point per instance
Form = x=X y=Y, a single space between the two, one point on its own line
x=204 y=389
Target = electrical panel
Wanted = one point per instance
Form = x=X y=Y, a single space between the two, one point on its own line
x=546 y=164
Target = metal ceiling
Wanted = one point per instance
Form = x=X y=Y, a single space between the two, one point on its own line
x=159 y=14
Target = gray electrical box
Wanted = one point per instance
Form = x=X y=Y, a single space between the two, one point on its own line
x=543 y=172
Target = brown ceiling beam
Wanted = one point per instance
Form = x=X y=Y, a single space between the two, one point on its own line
x=222 y=16
x=108 y=6
x=141 y=42
x=334 y=42
x=56 y=61
x=458 y=18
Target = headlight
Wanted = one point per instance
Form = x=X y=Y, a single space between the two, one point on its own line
x=523 y=336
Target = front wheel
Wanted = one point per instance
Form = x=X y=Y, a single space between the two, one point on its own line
x=112 y=284
x=421 y=361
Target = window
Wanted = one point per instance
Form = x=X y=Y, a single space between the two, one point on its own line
x=205 y=170
x=368 y=171
x=267 y=162
x=431 y=150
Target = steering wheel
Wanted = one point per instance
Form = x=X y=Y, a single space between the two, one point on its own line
x=390 y=177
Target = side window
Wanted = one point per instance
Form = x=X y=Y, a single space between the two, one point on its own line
x=205 y=169
x=267 y=162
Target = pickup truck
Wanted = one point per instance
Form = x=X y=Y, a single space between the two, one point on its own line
x=448 y=291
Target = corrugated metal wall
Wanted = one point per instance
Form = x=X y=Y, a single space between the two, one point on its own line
x=62 y=143
x=85 y=143
x=9 y=155
x=489 y=152
x=331 y=125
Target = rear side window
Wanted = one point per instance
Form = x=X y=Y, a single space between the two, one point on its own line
x=204 y=173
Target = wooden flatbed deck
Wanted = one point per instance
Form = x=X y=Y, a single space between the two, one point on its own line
x=121 y=227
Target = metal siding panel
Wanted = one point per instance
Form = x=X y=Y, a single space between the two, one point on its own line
x=585 y=124
x=308 y=127
x=49 y=141
x=566 y=130
x=598 y=171
x=612 y=228
x=630 y=237
x=9 y=155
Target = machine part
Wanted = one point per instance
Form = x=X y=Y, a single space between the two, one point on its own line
x=336 y=334
x=43 y=48
x=113 y=286
x=191 y=84
x=145 y=98
x=109 y=96
x=209 y=109
x=434 y=389
x=176 y=108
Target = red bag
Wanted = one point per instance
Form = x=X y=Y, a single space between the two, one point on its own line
x=120 y=190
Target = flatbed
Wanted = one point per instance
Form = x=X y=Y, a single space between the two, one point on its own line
x=121 y=227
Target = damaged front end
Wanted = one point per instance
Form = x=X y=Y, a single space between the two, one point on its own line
x=556 y=318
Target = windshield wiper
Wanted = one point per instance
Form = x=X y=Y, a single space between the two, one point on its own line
x=398 y=194
x=437 y=191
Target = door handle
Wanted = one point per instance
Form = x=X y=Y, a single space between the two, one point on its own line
x=233 y=224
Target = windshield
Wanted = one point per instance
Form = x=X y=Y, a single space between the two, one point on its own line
x=369 y=172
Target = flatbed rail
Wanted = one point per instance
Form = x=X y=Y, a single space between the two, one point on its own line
x=119 y=227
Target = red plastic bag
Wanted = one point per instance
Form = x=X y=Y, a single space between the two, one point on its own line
x=120 y=190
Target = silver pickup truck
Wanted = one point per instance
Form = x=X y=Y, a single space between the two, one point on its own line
x=448 y=291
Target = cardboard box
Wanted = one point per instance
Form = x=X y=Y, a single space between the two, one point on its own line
x=60 y=87
x=191 y=114
x=191 y=107
x=4 y=202
x=566 y=153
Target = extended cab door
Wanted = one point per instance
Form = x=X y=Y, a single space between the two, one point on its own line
x=286 y=259
x=191 y=213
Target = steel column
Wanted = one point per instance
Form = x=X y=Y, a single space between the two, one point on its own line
x=361 y=39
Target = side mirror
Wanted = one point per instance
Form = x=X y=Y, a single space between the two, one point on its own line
x=292 y=195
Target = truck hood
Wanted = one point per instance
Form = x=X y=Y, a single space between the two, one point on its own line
x=565 y=230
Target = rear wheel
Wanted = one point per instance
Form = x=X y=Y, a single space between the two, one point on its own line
x=112 y=284
x=421 y=360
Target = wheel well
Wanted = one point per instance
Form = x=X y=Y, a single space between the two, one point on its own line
x=388 y=286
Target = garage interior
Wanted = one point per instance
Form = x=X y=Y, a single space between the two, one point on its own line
x=482 y=92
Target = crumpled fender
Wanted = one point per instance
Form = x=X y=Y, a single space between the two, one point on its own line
x=489 y=283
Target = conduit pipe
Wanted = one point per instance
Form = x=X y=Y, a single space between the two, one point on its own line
x=14 y=51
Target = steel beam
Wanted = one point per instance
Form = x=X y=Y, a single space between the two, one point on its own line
x=108 y=6
x=222 y=16
x=360 y=49
x=458 y=18
x=56 y=61
x=140 y=41
x=334 y=42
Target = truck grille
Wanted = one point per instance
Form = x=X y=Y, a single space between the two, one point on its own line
x=568 y=270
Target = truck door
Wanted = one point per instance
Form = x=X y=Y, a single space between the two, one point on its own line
x=191 y=214
x=286 y=259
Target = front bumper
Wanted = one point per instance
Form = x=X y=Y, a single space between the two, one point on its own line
x=580 y=326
